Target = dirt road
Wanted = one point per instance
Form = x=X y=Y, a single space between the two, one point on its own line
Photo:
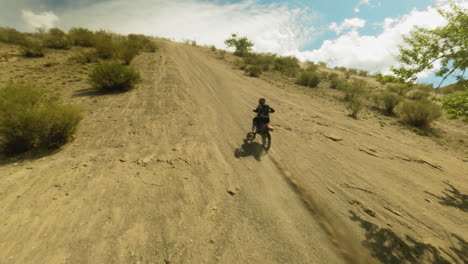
x=161 y=175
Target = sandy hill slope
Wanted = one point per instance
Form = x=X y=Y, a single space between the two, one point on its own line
x=161 y=175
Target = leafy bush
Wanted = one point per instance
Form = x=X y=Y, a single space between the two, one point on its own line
x=388 y=79
x=112 y=76
x=288 y=65
x=242 y=44
x=309 y=79
x=322 y=64
x=419 y=113
x=253 y=70
x=81 y=37
x=355 y=105
x=213 y=48
x=354 y=90
x=399 y=88
x=388 y=101
x=456 y=105
x=56 y=39
x=32 y=49
x=29 y=119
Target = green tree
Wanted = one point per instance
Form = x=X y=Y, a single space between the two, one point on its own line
x=242 y=44
x=447 y=45
x=456 y=105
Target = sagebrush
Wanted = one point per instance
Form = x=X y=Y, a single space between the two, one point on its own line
x=353 y=90
x=253 y=70
x=30 y=118
x=419 y=113
x=388 y=101
x=308 y=79
x=355 y=105
x=56 y=39
x=112 y=76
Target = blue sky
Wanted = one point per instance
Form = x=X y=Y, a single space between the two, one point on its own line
x=362 y=34
x=338 y=10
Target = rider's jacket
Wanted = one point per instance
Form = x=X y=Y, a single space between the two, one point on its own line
x=264 y=110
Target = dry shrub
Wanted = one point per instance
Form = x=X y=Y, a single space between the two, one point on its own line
x=354 y=90
x=337 y=83
x=56 y=39
x=85 y=57
x=32 y=49
x=81 y=37
x=311 y=66
x=105 y=45
x=419 y=113
x=253 y=70
x=418 y=95
x=32 y=119
x=308 y=79
x=264 y=60
x=142 y=42
x=288 y=65
x=126 y=51
x=11 y=36
x=112 y=76
x=388 y=101
x=399 y=88
x=355 y=105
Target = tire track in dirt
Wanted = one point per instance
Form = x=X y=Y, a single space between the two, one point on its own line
x=346 y=244
x=220 y=94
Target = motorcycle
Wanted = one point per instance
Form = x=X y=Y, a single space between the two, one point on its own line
x=264 y=131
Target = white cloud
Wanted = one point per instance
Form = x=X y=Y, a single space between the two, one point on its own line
x=352 y=24
x=36 y=20
x=373 y=52
x=273 y=28
x=362 y=2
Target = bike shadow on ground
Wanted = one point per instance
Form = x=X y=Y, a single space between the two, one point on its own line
x=249 y=148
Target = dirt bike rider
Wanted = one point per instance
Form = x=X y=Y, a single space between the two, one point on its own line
x=263 y=114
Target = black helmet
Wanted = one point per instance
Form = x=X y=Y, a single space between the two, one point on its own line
x=261 y=100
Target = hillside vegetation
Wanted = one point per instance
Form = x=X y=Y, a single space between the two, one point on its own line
x=157 y=168
x=32 y=117
x=414 y=105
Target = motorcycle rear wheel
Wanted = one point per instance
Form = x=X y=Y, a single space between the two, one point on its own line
x=266 y=140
